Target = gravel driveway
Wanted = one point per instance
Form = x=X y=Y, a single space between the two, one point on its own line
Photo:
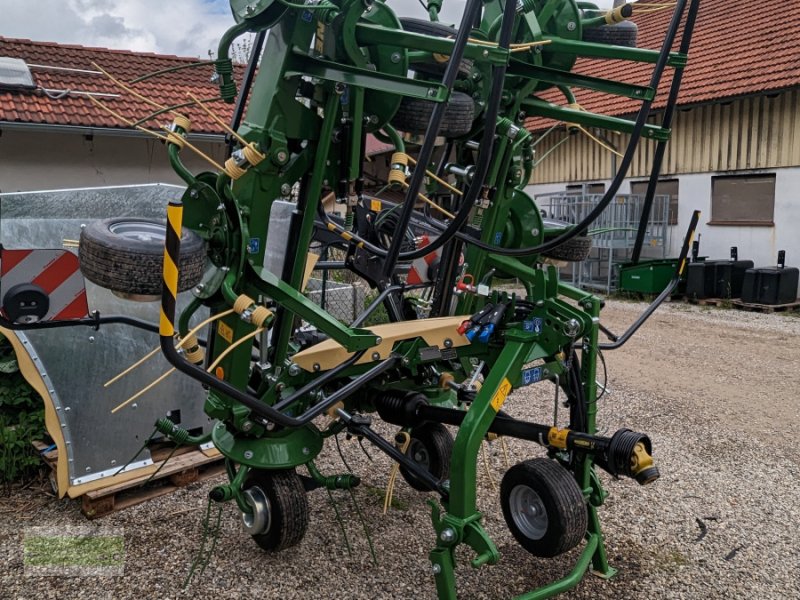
x=716 y=390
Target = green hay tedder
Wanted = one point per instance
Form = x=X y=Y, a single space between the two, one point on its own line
x=283 y=375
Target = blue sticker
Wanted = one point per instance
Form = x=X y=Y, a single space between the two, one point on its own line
x=253 y=245
x=530 y=376
x=533 y=326
x=345 y=99
x=307 y=16
x=498 y=237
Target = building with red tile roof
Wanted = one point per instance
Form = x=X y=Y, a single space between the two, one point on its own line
x=56 y=134
x=66 y=76
x=734 y=152
x=72 y=85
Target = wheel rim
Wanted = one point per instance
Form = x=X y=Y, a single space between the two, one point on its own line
x=528 y=512
x=419 y=453
x=260 y=519
x=139 y=230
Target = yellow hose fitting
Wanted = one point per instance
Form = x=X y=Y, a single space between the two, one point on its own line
x=242 y=303
x=182 y=122
x=233 y=170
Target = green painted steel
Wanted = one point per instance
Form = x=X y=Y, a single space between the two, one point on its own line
x=333 y=72
x=288 y=449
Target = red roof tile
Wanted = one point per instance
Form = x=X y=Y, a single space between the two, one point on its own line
x=78 y=110
x=738 y=48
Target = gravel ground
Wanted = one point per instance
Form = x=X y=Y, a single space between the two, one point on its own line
x=714 y=389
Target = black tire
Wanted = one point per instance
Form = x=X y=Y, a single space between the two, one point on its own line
x=544 y=507
x=434 y=67
x=288 y=508
x=574 y=250
x=431 y=446
x=620 y=34
x=126 y=255
x=414 y=115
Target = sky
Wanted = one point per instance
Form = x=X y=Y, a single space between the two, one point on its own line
x=182 y=27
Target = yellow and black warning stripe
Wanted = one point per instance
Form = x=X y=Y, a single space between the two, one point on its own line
x=172 y=251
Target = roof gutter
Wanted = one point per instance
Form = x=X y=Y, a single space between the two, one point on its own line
x=103 y=131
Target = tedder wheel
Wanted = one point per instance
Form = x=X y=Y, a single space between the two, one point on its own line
x=575 y=250
x=280 y=509
x=413 y=115
x=543 y=507
x=126 y=256
x=434 y=67
x=431 y=446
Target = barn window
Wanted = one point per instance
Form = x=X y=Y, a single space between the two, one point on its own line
x=743 y=200
x=665 y=187
x=586 y=189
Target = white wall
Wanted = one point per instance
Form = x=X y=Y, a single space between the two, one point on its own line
x=47 y=161
x=759 y=244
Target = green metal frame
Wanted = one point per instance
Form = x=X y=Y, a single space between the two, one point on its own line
x=354 y=57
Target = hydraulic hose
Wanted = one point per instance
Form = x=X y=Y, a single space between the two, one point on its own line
x=666 y=123
x=426 y=152
x=641 y=119
x=481 y=168
x=618 y=341
x=169 y=294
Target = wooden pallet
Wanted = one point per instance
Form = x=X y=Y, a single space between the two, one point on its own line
x=766 y=308
x=186 y=466
x=709 y=301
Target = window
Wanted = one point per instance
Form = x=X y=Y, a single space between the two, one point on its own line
x=665 y=187
x=586 y=188
x=743 y=200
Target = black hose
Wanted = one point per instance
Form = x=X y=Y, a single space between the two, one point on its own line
x=636 y=133
x=484 y=156
x=249 y=76
x=666 y=123
x=426 y=152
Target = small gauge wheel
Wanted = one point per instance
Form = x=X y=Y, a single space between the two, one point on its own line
x=543 y=506
x=431 y=446
x=279 y=515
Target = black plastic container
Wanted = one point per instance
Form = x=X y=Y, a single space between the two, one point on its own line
x=770 y=285
x=716 y=278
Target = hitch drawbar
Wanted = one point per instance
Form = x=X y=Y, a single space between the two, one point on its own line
x=626 y=453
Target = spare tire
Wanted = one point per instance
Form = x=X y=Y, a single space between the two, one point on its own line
x=620 y=34
x=126 y=255
x=574 y=250
x=434 y=67
x=414 y=115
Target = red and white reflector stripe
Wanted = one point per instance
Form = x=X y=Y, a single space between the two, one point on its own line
x=418 y=273
x=57 y=272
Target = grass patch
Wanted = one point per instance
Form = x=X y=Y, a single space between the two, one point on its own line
x=377 y=495
x=670 y=560
x=74 y=551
